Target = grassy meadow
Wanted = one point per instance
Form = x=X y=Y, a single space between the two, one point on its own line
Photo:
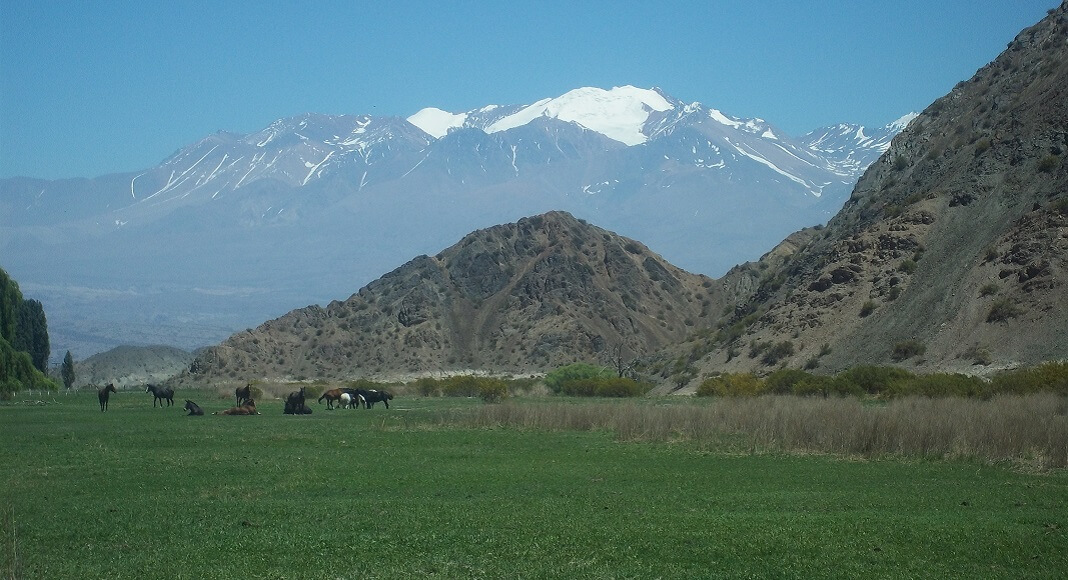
x=452 y=488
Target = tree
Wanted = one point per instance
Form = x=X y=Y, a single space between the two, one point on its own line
x=67 y=370
x=31 y=334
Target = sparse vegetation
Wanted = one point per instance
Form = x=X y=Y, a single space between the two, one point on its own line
x=907 y=349
x=1002 y=310
x=867 y=308
x=1048 y=163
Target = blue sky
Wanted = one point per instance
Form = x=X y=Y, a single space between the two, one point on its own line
x=91 y=87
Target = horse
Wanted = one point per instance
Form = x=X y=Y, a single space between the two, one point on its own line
x=372 y=396
x=331 y=396
x=103 y=394
x=296 y=399
x=351 y=400
x=292 y=410
x=161 y=393
x=249 y=408
x=193 y=408
x=243 y=394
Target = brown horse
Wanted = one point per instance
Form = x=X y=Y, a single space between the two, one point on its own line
x=243 y=394
x=103 y=394
x=331 y=396
x=249 y=408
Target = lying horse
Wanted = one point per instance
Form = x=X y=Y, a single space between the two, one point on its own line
x=249 y=408
x=295 y=399
x=243 y=394
x=103 y=394
x=372 y=396
x=292 y=410
x=161 y=393
x=331 y=396
x=193 y=408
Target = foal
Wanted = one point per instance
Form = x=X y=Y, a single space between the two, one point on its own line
x=103 y=394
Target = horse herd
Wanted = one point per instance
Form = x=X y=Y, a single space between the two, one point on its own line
x=245 y=405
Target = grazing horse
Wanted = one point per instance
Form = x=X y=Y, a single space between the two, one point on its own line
x=331 y=396
x=103 y=394
x=243 y=394
x=249 y=408
x=352 y=400
x=193 y=408
x=161 y=393
x=372 y=396
x=295 y=399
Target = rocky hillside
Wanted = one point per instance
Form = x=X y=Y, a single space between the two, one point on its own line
x=952 y=252
x=132 y=366
x=516 y=298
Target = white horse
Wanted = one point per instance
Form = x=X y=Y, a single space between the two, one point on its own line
x=352 y=401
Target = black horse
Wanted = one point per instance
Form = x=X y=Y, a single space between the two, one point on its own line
x=103 y=394
x=372 y=396
x=193 y=408
x=295 y=400
x=161 y=393
x=301 y=410
x=243 y=394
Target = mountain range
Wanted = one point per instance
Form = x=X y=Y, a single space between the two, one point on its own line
x=950 y=254
x=234 y=229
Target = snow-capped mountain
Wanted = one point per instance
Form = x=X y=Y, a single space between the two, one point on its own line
x=241 y=227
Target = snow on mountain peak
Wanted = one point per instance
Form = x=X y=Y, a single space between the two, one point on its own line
x=436 y=122
x=900 y=124
x=618 y=113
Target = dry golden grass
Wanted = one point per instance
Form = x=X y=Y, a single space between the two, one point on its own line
x=1030 y=430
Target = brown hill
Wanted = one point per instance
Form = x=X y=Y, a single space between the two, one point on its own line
x=132 y=366
x=951 y=252
x=516 y=298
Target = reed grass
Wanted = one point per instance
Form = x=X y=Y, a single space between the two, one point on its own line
x=1028 y=430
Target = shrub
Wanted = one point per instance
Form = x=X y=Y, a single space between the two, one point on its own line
x=782 y=381
x=777 y=352
x=988 y=289
x=492 y=390
x=428 y=387
x=939 y=385
x=1048 y=163
x=907 y=349
x=1050 y=376
x=874 y=379
x=555 y=379
x=731 y=385
x=826 y=386
x=867 y=308
x=908 y=266
x=460 y=386
x=1002 y=310
x=604 y=387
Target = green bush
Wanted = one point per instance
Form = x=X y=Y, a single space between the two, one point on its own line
x=907 y=349
x=782 y=381
x=939 y=385
x=731 y=385
x=1050 y=376
x=777 y=352
x=867 y=308
x=874 y=379
x=492 y=390
x=817 y=385
x=603 y=387
x=555 y=379
x=1048 y=163
x=1002 y=310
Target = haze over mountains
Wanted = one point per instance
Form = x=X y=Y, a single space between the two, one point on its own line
x=951 y=254
x=235 y=229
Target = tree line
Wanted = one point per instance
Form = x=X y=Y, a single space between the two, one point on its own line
x=24 y=346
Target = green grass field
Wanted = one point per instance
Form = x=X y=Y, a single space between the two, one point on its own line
x=139 y=492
